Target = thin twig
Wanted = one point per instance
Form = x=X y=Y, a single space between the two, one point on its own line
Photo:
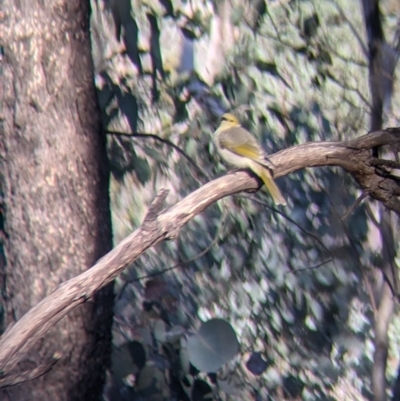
x=372 y=216
x=352 y=28
x=340 y=83
x=164 y=141
x=180 y=264
x=354 y=206
x=352 y=155
x=285 y=216
x=356 y=254
x=325 y=262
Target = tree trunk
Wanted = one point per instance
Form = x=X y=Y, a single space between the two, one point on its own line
x=54 y=183
x=382 y=63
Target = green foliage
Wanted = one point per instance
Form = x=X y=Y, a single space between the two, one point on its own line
x=212 y=346
x=288 y=280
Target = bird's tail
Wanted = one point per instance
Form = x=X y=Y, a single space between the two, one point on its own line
x=269 y=182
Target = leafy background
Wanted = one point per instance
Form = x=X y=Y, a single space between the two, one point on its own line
x=290 y=281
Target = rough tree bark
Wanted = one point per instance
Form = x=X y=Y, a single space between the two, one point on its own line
x=54 y=183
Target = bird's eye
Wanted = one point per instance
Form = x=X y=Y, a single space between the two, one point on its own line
x=223 y=118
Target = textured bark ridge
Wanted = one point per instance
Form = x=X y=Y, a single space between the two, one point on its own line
x=373 y=175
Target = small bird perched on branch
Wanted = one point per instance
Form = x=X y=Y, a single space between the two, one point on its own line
x=240 y=149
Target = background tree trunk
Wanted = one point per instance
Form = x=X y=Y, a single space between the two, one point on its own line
x=54 y=182
x=382 y=59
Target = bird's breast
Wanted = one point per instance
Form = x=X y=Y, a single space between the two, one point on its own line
x=233 y=158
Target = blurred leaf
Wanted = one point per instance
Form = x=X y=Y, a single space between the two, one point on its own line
x=137 y=353
x=256 y=364
x=324 y=57
x=121 y=155
x=160 y=329
x=310 y=26
x=155 y=53
x=235 y=89
x=121 y=10
x=237 y=15
x=272 y=69
x=131 y=35
x=276 y=110
x=124 y=159
x=151 y=383
x=174 y=334
x=127 y=359
x=155 y=50
x=214 y=345
x=142 y=169
x=129 y=107
x=154 y=154
x=201 y=391
x=292 y=386
x=287 y=314
x=181 y=113
x=184 y=358
x=191 y=147
x=228 y=88
x=325 y=277
x=107 y=118
x=189 y=34
x=105 y=95
x=168 y=7
x=260 y=8
x=316 y=308
x=276 y=320
x=229 y=387
x=154 y=289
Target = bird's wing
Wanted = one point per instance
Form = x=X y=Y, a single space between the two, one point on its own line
x=239 y=141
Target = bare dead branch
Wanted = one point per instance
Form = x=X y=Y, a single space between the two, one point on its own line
x=354 y=156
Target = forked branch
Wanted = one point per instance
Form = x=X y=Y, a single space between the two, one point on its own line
x=161 y=223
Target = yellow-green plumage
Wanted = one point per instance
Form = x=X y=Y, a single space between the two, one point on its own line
x=239 y=148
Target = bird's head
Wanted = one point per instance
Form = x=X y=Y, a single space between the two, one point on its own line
x=229 y=120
